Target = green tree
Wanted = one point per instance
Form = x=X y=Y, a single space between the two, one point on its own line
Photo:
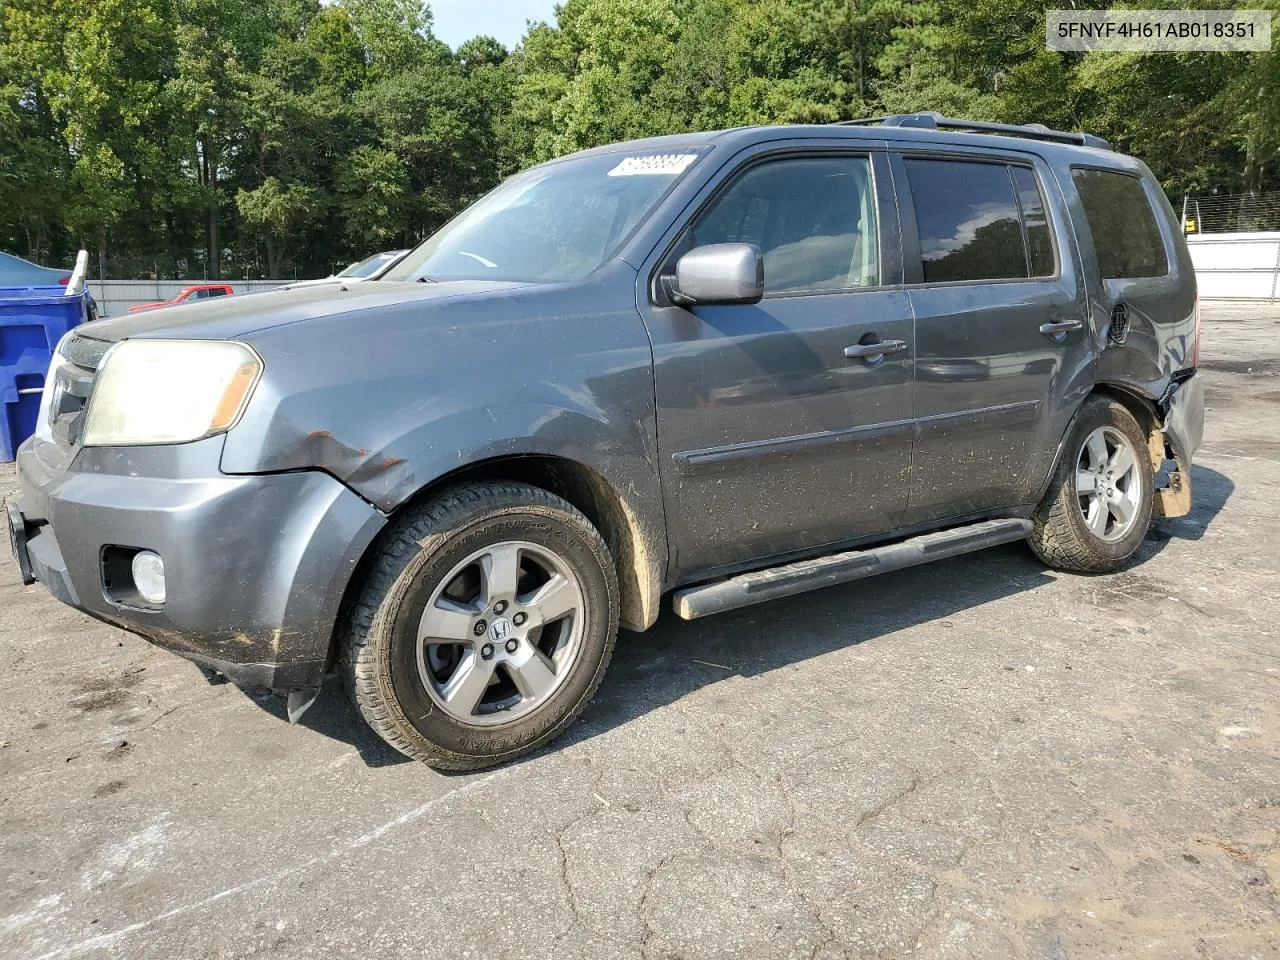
x=278 y=214
x=395 y=33
x=220 y=46
x=199 y=137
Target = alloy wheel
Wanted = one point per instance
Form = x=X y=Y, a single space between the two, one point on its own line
x=1108 y=484
x=500 y=633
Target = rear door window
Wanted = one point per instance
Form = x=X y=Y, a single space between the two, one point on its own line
x=1126 y=237
x=968 y=221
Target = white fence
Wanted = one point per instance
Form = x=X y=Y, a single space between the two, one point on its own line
x=117 y=296
x=1236 y=266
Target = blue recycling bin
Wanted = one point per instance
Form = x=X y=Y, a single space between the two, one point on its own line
x=32 y=321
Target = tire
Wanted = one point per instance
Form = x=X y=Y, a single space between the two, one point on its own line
x=483 y=570
x=1069 y=532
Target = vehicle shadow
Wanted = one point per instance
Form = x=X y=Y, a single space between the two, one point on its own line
x=675 y=658
x=334 y=716
x=1210 y=490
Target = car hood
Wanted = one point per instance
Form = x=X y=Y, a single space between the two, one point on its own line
x=227 y=318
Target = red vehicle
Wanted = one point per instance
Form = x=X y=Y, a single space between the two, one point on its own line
x=197 y=291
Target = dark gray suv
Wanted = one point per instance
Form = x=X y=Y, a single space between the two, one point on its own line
x=733 y=366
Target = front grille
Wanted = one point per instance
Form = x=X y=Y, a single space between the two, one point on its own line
x=72 y=385
x=84 y=352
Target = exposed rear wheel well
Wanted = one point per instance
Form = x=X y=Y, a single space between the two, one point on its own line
x=639 y=579
x=1143 y=410
x=1147 y=415
x=1173 y=495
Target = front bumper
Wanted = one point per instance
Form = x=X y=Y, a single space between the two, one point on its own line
x=255 y=566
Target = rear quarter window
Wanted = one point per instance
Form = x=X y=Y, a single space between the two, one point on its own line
x=1126 y=237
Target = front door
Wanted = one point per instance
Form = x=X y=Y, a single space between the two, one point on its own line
x=778 y=431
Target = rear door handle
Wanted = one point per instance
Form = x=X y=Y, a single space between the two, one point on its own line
x=1058 y=327
x=862 y=351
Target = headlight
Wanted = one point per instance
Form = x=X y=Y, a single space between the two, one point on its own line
x=169 y=391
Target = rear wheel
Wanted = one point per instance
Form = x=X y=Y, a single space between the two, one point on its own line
x=485 y=626
x=1098 y=507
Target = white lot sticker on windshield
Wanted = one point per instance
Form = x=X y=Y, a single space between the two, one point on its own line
x=663 y=164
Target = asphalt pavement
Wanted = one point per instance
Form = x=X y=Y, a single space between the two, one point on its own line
x=978 y=758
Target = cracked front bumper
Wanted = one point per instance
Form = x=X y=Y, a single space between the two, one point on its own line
x=256 y=566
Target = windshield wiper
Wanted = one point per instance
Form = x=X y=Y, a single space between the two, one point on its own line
x=425 y=279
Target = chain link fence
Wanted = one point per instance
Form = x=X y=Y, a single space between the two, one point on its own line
x=1235 y=244
x=1231 y=213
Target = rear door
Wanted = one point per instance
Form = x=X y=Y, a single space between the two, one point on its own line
x=773 y=440
x=1002 y=338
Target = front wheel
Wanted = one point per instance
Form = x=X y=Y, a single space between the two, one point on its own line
x=485 y=626
x=1098 y=507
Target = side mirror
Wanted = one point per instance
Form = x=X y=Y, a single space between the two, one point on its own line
x=719 y=273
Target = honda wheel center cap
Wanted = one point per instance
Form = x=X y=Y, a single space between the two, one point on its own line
x=500 y=629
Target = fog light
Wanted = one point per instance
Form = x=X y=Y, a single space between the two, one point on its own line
x=148 y=576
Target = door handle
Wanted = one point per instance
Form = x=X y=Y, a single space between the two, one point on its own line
x=1056 y=328
x=865 y=351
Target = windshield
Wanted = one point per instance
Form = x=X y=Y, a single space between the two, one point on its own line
x=552 y=223
x=370 y=266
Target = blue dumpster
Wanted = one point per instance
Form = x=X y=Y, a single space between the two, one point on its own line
x=32 y=321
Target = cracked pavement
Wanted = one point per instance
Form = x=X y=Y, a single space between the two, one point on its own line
x=977 y=758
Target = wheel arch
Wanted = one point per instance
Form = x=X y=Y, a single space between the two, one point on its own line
x=1142 y=407
x=637 y=563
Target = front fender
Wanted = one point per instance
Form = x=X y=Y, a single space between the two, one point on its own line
x=390 y=400
x=391 y=470
x=619 y=455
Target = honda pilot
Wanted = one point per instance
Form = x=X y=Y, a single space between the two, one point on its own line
x=721 y=367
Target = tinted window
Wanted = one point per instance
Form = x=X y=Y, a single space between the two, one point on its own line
x=967 y=217
x=217 y=292
x=814 y=219
x=1125 y=234
x=1039 y=243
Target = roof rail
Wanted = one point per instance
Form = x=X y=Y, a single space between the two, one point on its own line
x=930 y=120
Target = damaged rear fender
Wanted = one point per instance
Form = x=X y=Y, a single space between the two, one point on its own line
x=1174 y=425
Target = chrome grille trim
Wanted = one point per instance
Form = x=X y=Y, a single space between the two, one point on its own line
x=72 y=384
x=84 y=351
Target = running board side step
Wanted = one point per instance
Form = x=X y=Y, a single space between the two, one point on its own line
x=761 y=585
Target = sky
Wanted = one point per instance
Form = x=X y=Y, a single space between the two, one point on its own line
x=456 y=21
